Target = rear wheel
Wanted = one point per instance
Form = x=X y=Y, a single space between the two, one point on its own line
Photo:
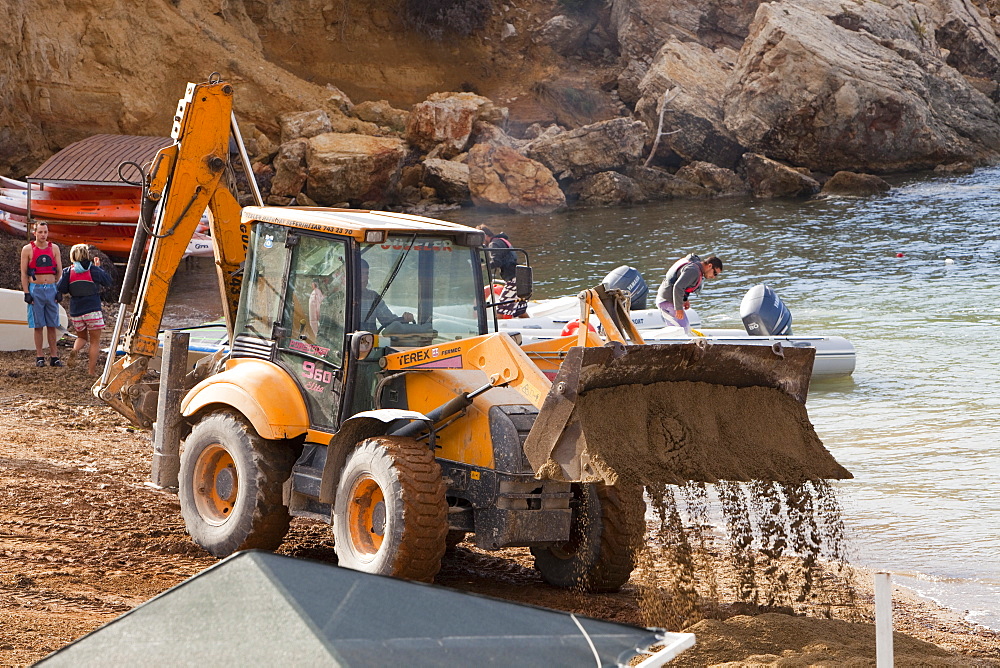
x=390 y=516
x=230 y=486
x=605 y=537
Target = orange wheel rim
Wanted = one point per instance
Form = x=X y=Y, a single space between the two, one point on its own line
x=216 y=484
x=366 y=516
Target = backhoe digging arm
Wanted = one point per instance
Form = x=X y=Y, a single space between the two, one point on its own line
x=183 y=183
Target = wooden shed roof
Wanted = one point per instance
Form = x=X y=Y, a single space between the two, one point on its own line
x=95 y=160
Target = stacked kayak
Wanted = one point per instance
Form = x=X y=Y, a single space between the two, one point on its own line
x=100 y=215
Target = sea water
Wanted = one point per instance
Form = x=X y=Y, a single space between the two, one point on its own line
x=912 y=279
x=918 y=423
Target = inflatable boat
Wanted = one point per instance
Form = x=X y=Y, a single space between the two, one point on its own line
x=766 y=319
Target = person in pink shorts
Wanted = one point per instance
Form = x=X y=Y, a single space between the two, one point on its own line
x=82 y=282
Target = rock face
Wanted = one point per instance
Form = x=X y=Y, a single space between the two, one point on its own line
x=696 y=78
x=500 y=177
x=593 y=148
x=352 y=168
x=825 y=86
x=69 y=70
x=642 y=27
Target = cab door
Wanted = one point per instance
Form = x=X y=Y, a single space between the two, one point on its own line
x=311 y=339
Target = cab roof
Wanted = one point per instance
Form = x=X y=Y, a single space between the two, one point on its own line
x=357 y=223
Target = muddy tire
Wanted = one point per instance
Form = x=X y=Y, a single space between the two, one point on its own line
x=607 y=531
x=230 y=486
x=390 y=516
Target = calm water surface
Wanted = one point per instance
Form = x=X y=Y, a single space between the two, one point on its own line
x=919 y=421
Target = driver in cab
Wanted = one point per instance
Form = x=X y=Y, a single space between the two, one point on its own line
x=372 y=318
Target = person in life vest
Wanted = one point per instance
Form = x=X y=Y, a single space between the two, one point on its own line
x=501 y=260
x=41 y=265
x=82 y=282
x=684 y=278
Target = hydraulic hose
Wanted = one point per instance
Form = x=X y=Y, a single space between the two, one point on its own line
x=442 y=412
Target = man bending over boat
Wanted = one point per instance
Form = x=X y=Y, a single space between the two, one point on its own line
x=684 y=278
x=41 y=266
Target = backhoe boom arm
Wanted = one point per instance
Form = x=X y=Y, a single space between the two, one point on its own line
x=185 y=181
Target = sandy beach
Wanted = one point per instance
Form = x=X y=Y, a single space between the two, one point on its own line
x=84 y=539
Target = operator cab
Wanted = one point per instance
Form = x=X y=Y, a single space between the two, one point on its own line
x=307 y=290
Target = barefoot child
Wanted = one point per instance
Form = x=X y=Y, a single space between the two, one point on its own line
x=82 y=282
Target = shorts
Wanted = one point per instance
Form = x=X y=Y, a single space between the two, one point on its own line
x=43 y=311
x=668 y=311
x=91 y=321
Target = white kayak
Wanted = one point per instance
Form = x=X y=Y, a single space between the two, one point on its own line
x=14 y=331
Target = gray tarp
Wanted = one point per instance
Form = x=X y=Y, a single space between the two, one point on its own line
x=258 y=608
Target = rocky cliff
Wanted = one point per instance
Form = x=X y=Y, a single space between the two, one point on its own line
x=745 y=92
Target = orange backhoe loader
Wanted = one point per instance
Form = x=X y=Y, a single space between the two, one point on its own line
x=366 y=386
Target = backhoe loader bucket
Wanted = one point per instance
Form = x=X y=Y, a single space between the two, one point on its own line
x=667 y=414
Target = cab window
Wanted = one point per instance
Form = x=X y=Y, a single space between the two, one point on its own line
x=263 y=281
x=418 y=290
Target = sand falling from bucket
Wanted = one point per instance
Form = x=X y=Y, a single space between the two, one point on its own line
x=777 y=540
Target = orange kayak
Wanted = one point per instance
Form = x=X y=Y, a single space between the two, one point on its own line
x=103 y=210
x=113 y=239
x=131 y=194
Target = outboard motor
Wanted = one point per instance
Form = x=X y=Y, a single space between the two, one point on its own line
x=628 y=278
x=764 y=314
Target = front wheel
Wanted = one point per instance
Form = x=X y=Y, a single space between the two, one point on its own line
x=605 y=537
x=390 y=516
x=230 y=486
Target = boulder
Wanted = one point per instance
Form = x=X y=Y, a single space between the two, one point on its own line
x=719 y=180
x=955 y=168
x=353 y=168
x=599 y=147
x=303 y=124
x=659 y=184
x=607 y=189
x=381 y=113
x=487 y=133
x=769 y=178
x=852 y=183
x=449 y=179
x=566 y=34
x=263 y=174
x=828 y=86
x=446 y=120
x=349 y=125
x=338 y=99
x=696 y=78
x=500 y=177
x=290 y=168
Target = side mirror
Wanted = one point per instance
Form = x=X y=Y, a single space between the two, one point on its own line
x=362 y=344
x=522 y=275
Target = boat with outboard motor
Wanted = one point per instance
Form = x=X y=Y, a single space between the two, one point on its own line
x=761 y=311
x=766 y=319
